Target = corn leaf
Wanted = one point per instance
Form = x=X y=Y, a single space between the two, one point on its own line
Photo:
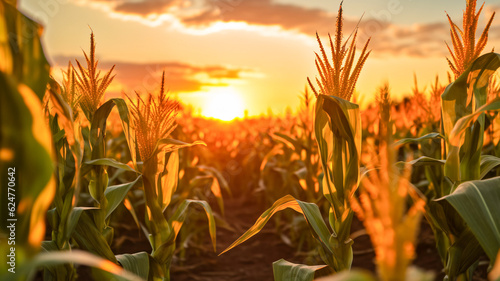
x=338 y=133
x=98 y=128
x=289 y=141
x=90 y=238
x=467 y=97
x=220 y=178
x=64 y=257
x=462 y=255
x=167 y=145
x=355 y=275
x=73 y=218
x=309 y=210
x=87 y=165
x=461 y=131
x=430 y=136
x=488 y=163
x=137 y=263
x=26 y=149
x=422 y=161
x=53 y=272
x=212 y=182
x=63 y=111
x=477 y=203
x=457 y=99
x=177 y=219
x=286 y=271
x=169 y=179
x=116 y=194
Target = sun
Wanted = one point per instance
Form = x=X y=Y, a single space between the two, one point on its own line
x=224 y=104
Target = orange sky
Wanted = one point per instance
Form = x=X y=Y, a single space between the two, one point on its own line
x=260 y=51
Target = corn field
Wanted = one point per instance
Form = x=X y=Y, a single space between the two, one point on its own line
x=140 y=187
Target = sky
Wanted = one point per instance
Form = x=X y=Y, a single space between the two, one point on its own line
x=253 y=55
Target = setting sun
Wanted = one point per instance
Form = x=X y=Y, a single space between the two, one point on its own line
x=224 y=104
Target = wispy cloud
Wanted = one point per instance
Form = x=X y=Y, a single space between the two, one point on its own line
x=179 y=77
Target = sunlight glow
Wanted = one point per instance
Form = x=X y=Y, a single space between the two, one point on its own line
x=223 y=103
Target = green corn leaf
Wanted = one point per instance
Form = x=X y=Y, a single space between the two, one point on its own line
x=422 y=161
x=53 y=270
x=49 y=246
x=354 y=275
x=137 y=263
x=167 y=145
x=289 y=141
x=309 y=210
x=218 y=183
x=177 y=219
x=216 y=191
x=93 y=191
x=212 y=182
x=169 y=179
x=58 y=136
x=64 y=257
x=477 y=203
x=463 y=102
x=26 y=148
x=90 y=238
x=460 y=131
x=220 y=178
x=338 y=133
x=462 y=255
x=488 y=163
x=64 y=113
x=98 y=128
x=74 y=217
x=286 y=271
x=472 y=84
x=87 y=165
x=116 y=193
x=430 y=136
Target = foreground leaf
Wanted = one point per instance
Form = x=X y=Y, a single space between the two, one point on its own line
x=477 y=203
x=287 y=271
x=488 y=163
x=75 y=256
x=355 y=275
x=137 y=263
x=26 y=153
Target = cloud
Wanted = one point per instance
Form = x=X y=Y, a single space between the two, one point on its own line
x=387 y=38
x=144 y=8
x=179 y=77
x=418 y=40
